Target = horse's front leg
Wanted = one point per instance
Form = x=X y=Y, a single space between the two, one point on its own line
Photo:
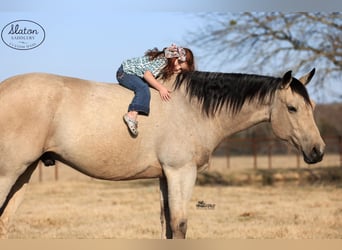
x=166 y=232
x=180 y=183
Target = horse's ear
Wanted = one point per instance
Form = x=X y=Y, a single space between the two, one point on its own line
x=307 y=78
x=287 y=79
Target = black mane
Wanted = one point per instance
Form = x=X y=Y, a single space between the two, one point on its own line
x=216 y=90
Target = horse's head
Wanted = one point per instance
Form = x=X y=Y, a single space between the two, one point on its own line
x=292 y=117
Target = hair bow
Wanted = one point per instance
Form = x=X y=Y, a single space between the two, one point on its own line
x=175 y=51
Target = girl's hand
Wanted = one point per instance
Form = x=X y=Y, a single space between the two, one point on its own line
x=164 y=93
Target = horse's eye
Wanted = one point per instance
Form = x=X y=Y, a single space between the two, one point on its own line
x=291 y=109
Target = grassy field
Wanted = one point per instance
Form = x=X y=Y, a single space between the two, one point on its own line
x=130 y=210
x=77 y=206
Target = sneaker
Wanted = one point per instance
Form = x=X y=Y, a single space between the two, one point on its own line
x=131 y=124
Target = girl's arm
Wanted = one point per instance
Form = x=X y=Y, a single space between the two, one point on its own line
x=163 y=91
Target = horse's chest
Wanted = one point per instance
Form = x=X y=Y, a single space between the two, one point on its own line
x=202 y=159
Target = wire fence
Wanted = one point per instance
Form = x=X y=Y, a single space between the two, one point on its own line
x=271 y=148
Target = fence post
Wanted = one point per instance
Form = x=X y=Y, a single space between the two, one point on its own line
x=228 y=154
x=340 y=146
x=298 y=160
x=40 y=172
x=56 y=172
x=254 y=148
x=270 y=153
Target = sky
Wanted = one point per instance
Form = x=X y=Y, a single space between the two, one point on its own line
x=90 y=40
x=93 y=45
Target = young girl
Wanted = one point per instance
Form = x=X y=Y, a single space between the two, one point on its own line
x=138 y=74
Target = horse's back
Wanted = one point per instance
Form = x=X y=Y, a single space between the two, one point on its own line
x=43 y=83
x=41 y=92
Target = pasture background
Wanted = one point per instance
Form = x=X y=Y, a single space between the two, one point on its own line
x=78 y=207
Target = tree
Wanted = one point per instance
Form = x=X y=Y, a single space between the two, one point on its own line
x=272 y=43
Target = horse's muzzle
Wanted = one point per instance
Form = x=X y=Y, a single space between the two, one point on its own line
x=315 y=155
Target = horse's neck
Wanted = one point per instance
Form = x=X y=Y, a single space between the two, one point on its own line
x=250 y=115
x=223 y=123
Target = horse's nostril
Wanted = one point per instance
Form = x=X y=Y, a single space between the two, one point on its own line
x=314 y=151
x=316 y=154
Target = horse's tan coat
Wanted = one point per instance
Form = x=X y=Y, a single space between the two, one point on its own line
x=81 y=121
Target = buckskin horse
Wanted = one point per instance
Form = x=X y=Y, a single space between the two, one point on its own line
x=49 y=118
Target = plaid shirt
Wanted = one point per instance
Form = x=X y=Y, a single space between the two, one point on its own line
x=139 y=65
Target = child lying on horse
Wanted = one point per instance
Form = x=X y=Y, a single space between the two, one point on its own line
x=138 y=74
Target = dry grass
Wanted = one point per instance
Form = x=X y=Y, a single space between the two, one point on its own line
x=130 y=210
x=77 y=206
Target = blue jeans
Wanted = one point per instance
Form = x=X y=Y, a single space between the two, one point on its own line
x=141 y=100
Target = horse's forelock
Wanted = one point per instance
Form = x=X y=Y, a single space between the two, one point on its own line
x=298 y=88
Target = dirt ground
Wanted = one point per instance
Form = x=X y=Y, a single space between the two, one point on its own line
x=92 y=209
